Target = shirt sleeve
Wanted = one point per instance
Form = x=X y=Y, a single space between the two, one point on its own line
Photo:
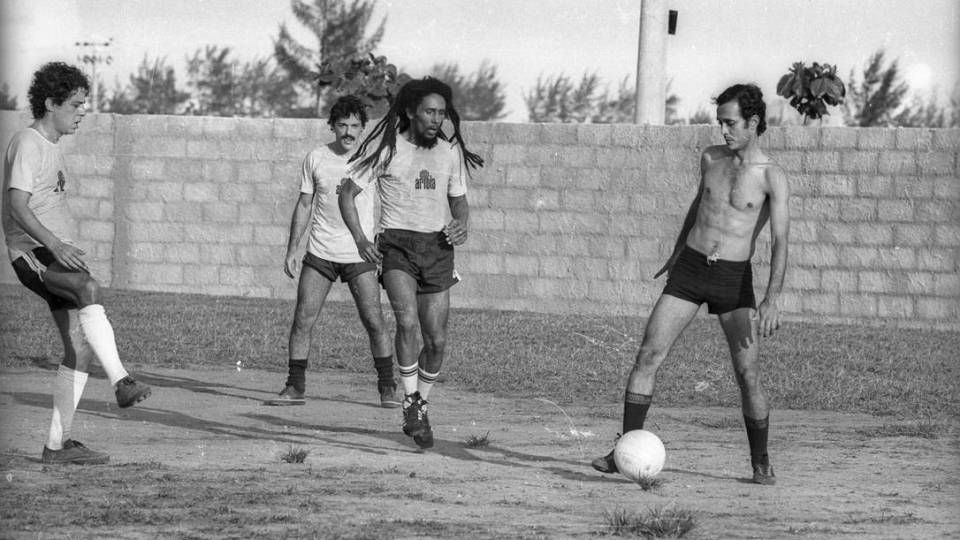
x=457 y=182
x=306 y=174
x=26 y=162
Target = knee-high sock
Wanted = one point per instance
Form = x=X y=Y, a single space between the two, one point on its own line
x=99 y=333
x=757 y=430
x=425 y=382
x=408 y=376
x=67 y=389
x=635 y=407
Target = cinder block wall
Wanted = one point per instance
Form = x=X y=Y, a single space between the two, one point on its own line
x=565 y=218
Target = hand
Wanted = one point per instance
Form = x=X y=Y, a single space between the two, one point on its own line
x=291 y=265
x=769 y=315
x=69 y=256
x=368 y=251
x=666 y=267
x=456 y=232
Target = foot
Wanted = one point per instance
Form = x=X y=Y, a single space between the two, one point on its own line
x=605 y=464
x=388 y=396
x=73 y=452
x=411 y=414
x=763 y=474
x=130 y=392
x=288 y=396
x=424 y=438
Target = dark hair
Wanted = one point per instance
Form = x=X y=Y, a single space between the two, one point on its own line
x=57 y=81
x=408 y=98
x=346 y=106
x=750 y=99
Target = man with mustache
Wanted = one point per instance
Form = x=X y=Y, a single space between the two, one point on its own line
x=38 y=228
x=420 y=175
x=740 y=189
x=331 y=254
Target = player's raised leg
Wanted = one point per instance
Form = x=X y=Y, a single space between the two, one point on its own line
x=366 y=294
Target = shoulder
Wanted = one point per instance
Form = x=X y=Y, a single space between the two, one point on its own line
x=26 y=140
x=715 y=153
x=775 y=177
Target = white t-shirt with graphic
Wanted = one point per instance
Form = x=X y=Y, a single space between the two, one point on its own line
x=35 y=165
x=322 y=173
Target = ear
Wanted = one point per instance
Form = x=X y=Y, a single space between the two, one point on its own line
x=753 y=122
x=50 y=104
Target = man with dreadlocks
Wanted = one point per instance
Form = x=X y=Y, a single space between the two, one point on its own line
x=420 y=175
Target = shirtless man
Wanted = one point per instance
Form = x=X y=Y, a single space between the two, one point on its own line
x=740 y=189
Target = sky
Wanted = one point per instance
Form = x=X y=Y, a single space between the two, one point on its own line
x=718 y=42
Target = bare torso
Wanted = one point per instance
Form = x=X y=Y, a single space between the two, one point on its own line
x=733 y=204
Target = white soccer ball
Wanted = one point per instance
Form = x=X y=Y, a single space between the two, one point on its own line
x=639 y=454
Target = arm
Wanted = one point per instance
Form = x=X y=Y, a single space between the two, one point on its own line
x=456 y=230
x=688 y=222
x=298 y=224
x=779 y=195
x=351 y=218
x=67 y=255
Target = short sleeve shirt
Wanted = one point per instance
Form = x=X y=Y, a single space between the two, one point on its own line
x=35 y=165
x=322 y=174
x=416 y=184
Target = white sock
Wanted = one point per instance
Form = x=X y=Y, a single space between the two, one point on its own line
x=408 y=377
x=99 y=334
x=67 y=389
x=425 y=382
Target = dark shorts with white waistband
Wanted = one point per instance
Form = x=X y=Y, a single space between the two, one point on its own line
x=428 y=257
x=724 y=285
x=31 y=277
x=332 y=270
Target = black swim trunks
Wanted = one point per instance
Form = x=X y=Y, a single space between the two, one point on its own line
x=425 y=256
x=723 y=285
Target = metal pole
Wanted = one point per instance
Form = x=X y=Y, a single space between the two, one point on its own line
x=93 y=58
x=652 y=63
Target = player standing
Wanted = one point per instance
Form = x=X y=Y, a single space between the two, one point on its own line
x=420 y=175
x=331 y=253
x=38 y=229
x=740 y=189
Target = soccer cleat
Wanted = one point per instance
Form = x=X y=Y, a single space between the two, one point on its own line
x=605 y=464
x=130 y=392
x=411 y=414
x=288 y=396
x=763 y=474
x=388 y=396
x=73 y=452
x=424 y=438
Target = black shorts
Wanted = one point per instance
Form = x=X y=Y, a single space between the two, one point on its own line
x=332 y=270
x=31 y=279
x=425 y=256
x=723 y=285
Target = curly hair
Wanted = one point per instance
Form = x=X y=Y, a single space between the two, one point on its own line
x=750 y=99
x=395 y=121
x=57 y=81
x=346 y=106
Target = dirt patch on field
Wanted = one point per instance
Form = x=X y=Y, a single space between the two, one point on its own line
x=202 y=458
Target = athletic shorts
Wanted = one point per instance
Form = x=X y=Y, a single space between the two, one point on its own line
x=332 y=270
x=30 y=273
x=425 y=256
x=723 y=285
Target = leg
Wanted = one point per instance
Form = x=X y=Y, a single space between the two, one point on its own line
x=402 y=291
x=434 y=309
x=740 y=328
x=366 y=295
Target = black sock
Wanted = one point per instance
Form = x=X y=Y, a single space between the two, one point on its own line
x=635 y=408
x=296 y=376
x=757 y=435
x=384 y=367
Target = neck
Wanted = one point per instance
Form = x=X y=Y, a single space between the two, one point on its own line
x=750 y=152
x=44 y=126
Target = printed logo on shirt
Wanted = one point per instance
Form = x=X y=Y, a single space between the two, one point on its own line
x=425 y=181
x=61 y=183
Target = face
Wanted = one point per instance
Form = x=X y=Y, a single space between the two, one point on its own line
x=737 y=132
x=67 y=115
x=347 y=130
x=427 y=119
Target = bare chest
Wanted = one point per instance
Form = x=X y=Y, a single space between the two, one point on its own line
x=737 y=187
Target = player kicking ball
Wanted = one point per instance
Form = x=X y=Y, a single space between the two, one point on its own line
x=38 y=227
x=331 y=254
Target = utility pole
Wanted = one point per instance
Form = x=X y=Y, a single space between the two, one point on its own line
x=652 y=63
x=94 y=56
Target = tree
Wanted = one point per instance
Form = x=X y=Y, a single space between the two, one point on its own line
x=702 y=116
x=875 y=98
x=339 y=29
x=478 y=95
x=8 y=102
x=811 y=89
x=558 y=99
x=152 y=90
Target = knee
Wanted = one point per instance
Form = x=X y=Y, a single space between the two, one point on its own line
x=407 y=325
x=89 y=292
x=748 y=377
x=649 y=358
x=435 y=343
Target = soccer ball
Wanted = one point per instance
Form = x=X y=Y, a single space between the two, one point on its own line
x=639 y=454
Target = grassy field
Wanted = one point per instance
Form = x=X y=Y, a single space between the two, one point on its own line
x=906 y=374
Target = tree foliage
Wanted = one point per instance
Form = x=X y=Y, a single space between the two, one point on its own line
x=8 y=101
x=223 y=86
x=479 y=95
x=559 y=98
x=875 y=97
x=151 y=90
x=339 y=28
x=811 y=89
x=927 y=112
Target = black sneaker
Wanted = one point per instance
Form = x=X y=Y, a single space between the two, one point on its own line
x=388 y=396
x=411 y=414
x=605 y=464
x=73 y=452
x=288 y=396
x=763 y=474
x=130 y=392
x=424 y=438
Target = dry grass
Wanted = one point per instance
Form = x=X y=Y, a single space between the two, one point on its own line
x=654 y=523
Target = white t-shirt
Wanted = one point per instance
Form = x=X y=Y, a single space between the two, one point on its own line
x=416 y=184
x=35 y=165
x=321 y=175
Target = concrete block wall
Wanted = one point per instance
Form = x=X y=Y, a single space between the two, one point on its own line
x=564 y=217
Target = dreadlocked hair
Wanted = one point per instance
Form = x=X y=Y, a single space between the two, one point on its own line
x=396 y=121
